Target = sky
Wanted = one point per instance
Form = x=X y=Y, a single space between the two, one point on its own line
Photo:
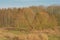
x=26 y=3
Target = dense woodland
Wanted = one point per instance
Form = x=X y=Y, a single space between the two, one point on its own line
x=35 y=17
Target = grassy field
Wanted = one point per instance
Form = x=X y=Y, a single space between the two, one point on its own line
x=46 y=34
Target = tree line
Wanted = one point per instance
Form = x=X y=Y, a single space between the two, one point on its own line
x=35 y=17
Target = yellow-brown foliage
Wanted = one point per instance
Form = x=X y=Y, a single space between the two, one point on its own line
x=27 y=18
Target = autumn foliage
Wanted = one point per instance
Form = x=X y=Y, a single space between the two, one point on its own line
x=30 y=18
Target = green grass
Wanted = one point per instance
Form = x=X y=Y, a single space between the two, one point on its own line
x=54 y=37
